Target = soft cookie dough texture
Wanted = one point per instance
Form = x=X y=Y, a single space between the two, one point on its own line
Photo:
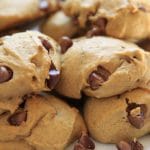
x=127 y=19
x=15 y=12
x=48 y=124
x=103 y=67
x=58 y=25
x=107 y=119
x=25 y=61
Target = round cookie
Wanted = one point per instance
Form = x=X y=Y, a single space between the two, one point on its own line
x=16 y=12
x=29 y=62
x=44 y=122
x=122 y=117
x=94 y=66
x=126 y=19
x=58 y=25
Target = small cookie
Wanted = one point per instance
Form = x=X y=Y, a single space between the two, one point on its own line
x=43 y=122
x=29 y=62
x=59 y=25
x=120 y=18
x=16 y=12
x=122 y=117
x=103 y=67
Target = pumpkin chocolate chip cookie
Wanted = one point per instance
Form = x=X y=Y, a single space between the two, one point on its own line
x=29 y=62
x=102 y=67
x=43 y=122
x=125 y=19
x=122 y=117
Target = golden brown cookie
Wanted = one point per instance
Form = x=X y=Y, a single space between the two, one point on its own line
x=16 y=12
x=103 y=67
x=29 y=62
x=122 y=117
x=58 y=25
x=42 y=123
x=125 y=19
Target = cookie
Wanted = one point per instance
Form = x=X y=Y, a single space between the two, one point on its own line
x=58 y=25
x=43 y=122
x=29 y=62
x=122 y=117
x=121 y=19
x=103 y=67
x=17 y=12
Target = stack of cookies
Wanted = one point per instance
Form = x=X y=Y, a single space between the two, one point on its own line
x=101 y=65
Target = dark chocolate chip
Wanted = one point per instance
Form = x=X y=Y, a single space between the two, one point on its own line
x=142 y=8
x=136 y=114
x=95 y=31
x=5 y=74
x=44 y=5
x=98 y=77
x=135 y=145
x=54 y=77
x=17 y=118
x=123 y=146
x=45 y=43
x=65 y=43
x=84 y=143
x=101 y=22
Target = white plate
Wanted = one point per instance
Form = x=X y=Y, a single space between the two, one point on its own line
x=145 y=142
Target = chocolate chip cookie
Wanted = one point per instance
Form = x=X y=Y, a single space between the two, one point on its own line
x=16 y=12
x=122 y=117
x=29 y=62
x=102 y=67
x=120 y=18
x=43 y=122
x=58 y=25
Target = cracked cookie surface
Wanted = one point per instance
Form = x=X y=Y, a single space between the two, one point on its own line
x=103 y=67
x=44 y=122
x=29 y=62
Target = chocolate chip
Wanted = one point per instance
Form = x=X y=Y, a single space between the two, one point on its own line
x=17 y=118
x=44 y=5
x=54 y=77
x=98 y=28
x=84 y=143
x=5 y=74
x=96 y=78
x=136 y=114
x=65 y=43
x=133 y=145
x=124 y=146
x=45 y=43
x=142 y=8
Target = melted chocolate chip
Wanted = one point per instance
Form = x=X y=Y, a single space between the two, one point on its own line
x=44 y=5
x=17 y=118
x=5 y=74
x=136 y=114
x=54 y=77
x=98 y=77
x=142 y=8
x=133 y=145
x=65 y=43
x=45 y=43
x=98 y=28
x=84 y=143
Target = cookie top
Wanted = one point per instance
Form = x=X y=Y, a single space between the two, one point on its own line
x=102 y=67
x=122 y=117
x=29 y=62
x=39 y=113
x=16 y=12
x=117 y=18
x=58 y=25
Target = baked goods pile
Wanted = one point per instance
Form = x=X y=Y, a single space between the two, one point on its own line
x=86 y=53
